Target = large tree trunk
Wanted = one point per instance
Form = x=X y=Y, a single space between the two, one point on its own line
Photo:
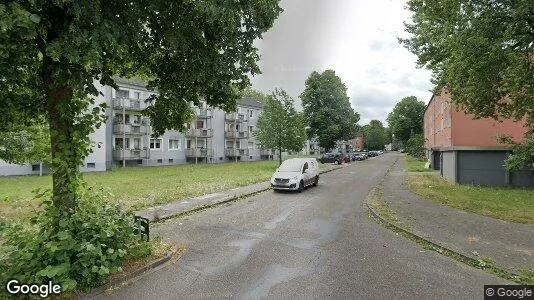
x=64 y=165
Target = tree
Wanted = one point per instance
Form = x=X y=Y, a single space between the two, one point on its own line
x=327 y=109
x=280 y=126
x=53 y=52
x=251 y=93
x=407 y=118
x=375 y=135
x=481 y=51
x=25 y=144
x=415 y=146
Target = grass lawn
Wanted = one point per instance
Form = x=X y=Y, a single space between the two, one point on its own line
x=506 y=203
x=416 y=164
x=141 y=187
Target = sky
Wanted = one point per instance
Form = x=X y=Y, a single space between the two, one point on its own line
x=355 y=38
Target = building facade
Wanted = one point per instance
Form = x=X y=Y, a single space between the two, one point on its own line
x=213 y=136
x=466 y=150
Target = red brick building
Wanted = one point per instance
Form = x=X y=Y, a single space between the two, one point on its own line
x=466 y=150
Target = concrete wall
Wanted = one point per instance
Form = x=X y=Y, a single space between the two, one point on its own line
x=448 y=165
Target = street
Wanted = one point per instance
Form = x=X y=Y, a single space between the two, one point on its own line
x=317 y=244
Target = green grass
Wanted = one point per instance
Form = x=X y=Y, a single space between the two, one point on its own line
x=505 y=203
x=416 y=164
x=141 y=187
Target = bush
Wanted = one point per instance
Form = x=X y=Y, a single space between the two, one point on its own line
x=79 y=252
x=415 y=146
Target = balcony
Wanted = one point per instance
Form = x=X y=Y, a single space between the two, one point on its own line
x=203 y=113
x=199 y=132
x=130 y=129
x=232 y=152
x=198 y=152
x=235 y=117
x=119 y=154
x=236 y=134
x=129 y=104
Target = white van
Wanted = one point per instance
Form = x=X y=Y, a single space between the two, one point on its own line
x=296 y=174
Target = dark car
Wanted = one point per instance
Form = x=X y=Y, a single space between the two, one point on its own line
x=335 y=158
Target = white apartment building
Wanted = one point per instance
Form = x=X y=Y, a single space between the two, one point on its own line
x=213 y=136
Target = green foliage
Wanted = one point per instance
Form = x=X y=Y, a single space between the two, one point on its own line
x=482 y=52
x=522 y=156
x=415 y=145
x=91 y=243
x=327 y=109
x=25 y=144
x=407 y=118
x=54 y=52
x=280 y=126
x=375 y=135
x=251 y=93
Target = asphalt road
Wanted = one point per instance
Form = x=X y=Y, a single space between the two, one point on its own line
x=314 y=245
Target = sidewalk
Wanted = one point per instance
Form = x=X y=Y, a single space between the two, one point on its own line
x=195 y=203
x=509 y=245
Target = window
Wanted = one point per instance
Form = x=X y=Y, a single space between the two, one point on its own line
x=250 y=129
x=160 y=161
x=137 y=143
x=119 y=143
x=122 y=94
x=91 y=165
x=127 y=119
x=250 y=113
x=137 y=95
x=136 y=119
x=199 y=124
x=174 y=145
x=251 y=145
x=171 y=160
x=188 y=144
x=155 y=144
x=35 y=167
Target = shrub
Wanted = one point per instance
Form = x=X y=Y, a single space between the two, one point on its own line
x=415 y=146
x=79 y=252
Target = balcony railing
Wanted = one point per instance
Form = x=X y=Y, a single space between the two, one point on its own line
x=203 y=113
x=127 y=103
x=236 y=134
x=199 y=132
x=198 y=152
x=129 y=154
x=235 y=152
x=129 y=128
x=235 y=117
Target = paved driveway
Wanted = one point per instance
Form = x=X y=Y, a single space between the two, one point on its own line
x=314 y=245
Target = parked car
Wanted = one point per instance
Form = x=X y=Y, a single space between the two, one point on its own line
x=335 y=158
x=346 y=158
x=359 y=157
x=296 y=174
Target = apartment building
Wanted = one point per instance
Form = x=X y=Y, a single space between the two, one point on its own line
x=213 y=136
x=466 y=150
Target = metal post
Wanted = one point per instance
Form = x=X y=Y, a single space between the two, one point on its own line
x=123 y=133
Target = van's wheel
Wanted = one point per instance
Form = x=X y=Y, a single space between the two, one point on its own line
x=301 y=186
x=316 y=181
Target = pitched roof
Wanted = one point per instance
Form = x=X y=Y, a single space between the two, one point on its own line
x=250 y=102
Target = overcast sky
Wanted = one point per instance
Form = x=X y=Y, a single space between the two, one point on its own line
x=355 y=38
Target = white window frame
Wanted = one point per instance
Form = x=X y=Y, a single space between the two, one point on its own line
x=171 y=142
x=160 y=144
